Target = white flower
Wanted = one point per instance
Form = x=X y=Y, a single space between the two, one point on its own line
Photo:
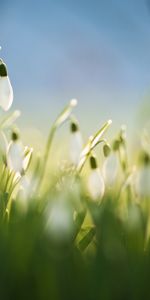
x=18 y=156
x=15 y=156
x=6 y=91
x=110 y=169
x=142 y=182
x=96 y=186
x=76 y=144
x=59 y=220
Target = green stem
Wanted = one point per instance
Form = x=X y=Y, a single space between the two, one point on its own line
x=46 y=154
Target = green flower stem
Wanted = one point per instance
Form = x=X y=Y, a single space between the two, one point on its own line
x=91 y=144
x=8 y=208
x=46 y=154
x=62 y=117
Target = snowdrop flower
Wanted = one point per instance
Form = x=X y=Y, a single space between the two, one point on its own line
x=18 y=157
x=76 y=144
x=96 y=186
x=6 y=91
x=142 y=182
x=142 y=176
x=15 y=154
x=110 y=169
x=59 y=220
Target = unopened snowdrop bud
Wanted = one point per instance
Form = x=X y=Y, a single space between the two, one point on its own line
x=76 y=143
x=142 y=182
x=116 y=145
x=15 y=135
x=6 y=91
x=15 y=153
x=145 y=158
x=110 y=169
x=106 y=150
x=142 y=176
x=96 y=186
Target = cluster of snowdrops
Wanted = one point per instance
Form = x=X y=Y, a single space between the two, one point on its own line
x=22 y=183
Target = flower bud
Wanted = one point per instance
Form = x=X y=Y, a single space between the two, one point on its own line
x=110 y=169
x=96 y=185
x=6 y=91
x=106 y=150
x=76 y=143
x=142 y=182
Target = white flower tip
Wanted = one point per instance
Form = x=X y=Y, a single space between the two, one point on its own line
x=109 y=122
x=73 y=102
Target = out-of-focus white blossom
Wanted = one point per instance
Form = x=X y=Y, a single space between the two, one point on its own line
x=15 y=156
x=6 y=91
x=96 y=186
x=142 y=182
x=76 y=144
x=59 y=220
x=18 y=156
x=110 y=169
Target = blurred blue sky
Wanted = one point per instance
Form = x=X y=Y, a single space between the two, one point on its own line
x=95 y=51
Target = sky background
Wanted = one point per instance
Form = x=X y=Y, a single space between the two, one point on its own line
x=95 y=51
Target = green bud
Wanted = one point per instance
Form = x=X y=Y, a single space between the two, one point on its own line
x=3 y=69
x=106 y=150
x=74 y=127
x=15 y=135
x=116 y=145
x=144 y=158
x=93 y=162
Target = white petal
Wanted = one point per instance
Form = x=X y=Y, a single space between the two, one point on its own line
x=76 y=146
x=142 y=182
x=15 y=157
x=96 y=185
x=6 y=93
x=27 y=158
x=110 y=168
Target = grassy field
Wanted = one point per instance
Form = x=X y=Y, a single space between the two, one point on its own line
x=80 y=230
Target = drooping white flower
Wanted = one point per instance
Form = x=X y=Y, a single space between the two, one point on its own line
x=6 y=91
x=18 y=156
x=76 y=144
x=15 y=156
x=96 y=186
x=110 y=169
x=59 y=220
x=142 y=182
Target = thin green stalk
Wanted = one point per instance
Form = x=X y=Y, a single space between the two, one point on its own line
x=63 y=116
x=46 y=154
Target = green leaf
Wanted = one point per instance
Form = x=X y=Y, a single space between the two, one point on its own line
x=9 y=119
x=87 y=239
x=98 y=135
